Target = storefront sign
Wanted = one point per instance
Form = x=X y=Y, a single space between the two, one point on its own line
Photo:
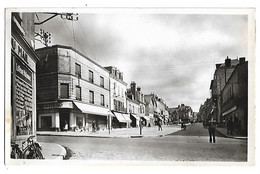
x=23 y=72
x=56 y=105
x=18 y=49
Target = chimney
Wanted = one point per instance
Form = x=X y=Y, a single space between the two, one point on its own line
x=133 y=89
x=218 y=65
x=242 y=60
x=227 y=62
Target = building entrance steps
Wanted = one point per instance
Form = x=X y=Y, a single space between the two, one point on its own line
x=118 y=133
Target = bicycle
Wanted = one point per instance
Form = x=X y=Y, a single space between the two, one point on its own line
x=30 y=150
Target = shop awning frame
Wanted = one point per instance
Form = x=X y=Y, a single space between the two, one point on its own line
x=91 y=109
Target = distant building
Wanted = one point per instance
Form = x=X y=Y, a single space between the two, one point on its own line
x=156 y=108
x=72 y=89
x=135 y=96
x=118 y=98
x=23 y=77
x=235 y=98
x=182 y=113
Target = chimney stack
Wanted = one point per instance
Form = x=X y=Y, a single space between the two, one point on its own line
x=227 y=62
x=242 y=60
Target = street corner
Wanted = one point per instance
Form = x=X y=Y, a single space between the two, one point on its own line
x=53 y=151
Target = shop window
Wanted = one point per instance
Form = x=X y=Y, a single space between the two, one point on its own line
x=64 y=90
x=78 y=93
x=77 y=70
x=91 y=77
x=102 y=81
x=91 y=97
x=102 y=100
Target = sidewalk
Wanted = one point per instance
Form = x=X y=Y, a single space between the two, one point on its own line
x=118 y=133
x=223 y=131
x=52 y=151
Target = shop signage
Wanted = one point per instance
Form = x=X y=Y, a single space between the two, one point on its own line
x=18 y=49
x=56 y=105
x=23 y=72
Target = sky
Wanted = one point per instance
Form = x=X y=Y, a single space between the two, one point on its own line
x=171 y=55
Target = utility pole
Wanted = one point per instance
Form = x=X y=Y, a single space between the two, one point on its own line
x=45 y=37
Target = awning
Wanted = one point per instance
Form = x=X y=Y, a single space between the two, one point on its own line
x=120 y=117
x=127 y=117
x=147 y=118
x=135 y=116
x=90 y=109
x=229 y=110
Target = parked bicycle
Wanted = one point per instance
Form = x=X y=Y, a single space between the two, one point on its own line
x=31 y=149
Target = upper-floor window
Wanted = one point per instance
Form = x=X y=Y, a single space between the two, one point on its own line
x=64 y=90
x=77 y=70
x=91 y=77
x=78 y=93
x=102 y=81
x=91 y=97
x=102 y=100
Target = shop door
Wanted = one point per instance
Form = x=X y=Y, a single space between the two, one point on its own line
x=46 y=122
x=64 y=119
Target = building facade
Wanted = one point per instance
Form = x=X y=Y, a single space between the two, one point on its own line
x=156 y=108
x=118 y=102
x=72 y=90
x=23 y=77
x=221 y=75
x=136 y=100
x=235 y=99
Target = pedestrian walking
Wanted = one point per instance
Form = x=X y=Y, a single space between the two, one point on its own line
x=160 y=125
x=211 y=128
x=93 y=126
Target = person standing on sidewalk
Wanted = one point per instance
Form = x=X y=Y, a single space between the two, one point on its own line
x=212 y=127
x=160 y=125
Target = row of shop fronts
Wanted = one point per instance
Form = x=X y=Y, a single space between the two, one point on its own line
x=75 y=115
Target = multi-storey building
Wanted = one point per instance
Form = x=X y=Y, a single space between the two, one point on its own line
x=235 y=98
x=156 y=108
x=222 y=73
x=72 y=89
x=23 y=77
x=118 y=98
x=135 y=96
x=132 y=109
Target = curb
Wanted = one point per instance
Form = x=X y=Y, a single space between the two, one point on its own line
x=96 y=136
x=227 y=136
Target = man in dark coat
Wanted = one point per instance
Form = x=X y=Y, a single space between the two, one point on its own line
x=211 y=128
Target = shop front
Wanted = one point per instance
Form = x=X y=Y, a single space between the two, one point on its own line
x=71 y=115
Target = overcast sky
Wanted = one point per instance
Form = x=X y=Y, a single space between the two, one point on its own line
x=171 y=55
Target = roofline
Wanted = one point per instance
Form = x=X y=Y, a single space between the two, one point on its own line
x=73 y=49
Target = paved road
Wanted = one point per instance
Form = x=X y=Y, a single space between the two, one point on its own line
x=189 y=145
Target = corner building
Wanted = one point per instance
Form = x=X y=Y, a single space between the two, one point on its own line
x=72 y=89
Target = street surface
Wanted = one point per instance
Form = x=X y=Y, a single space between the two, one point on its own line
x=190 y=145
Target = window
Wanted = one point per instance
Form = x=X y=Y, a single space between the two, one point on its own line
x=91 y=77
x=78 y=93
x=64 y=90
x=77 y=70
x=91 y=97
x=102 y=81
x=102 y=100
x=115 y=104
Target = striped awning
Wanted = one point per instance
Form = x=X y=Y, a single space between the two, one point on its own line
x=120 y=117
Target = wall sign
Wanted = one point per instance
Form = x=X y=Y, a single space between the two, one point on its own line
x=18 y=49
x=23 y=72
